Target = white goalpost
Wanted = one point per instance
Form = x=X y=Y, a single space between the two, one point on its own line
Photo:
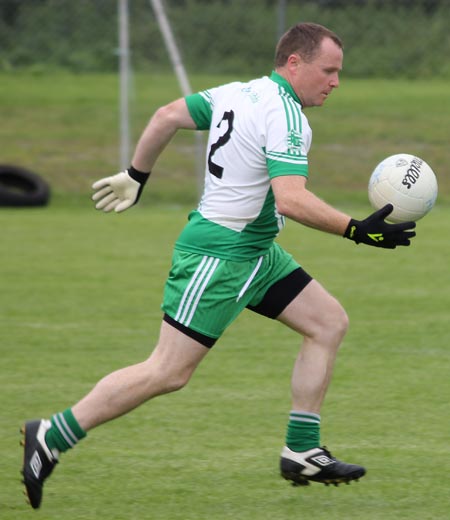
x=124 y=83
x=124 y=72
x=183 y=80
x=172 y=49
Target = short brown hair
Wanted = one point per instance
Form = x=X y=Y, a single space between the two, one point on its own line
x=303 y=39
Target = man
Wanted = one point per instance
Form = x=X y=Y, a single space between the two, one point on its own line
x=225 y=259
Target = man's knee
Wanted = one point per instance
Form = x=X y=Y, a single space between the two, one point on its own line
x=175 y=381
x=174 y=360
x=333 y=322
x=341 y=319
x=166 y=378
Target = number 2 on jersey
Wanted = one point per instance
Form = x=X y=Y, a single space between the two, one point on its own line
x=214 y=168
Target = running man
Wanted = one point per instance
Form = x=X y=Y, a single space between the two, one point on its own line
x=226 y=260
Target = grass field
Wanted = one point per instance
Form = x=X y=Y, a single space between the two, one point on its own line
x=80 y=297
x=65 y=127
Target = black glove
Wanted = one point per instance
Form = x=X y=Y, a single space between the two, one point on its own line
x=374 y=231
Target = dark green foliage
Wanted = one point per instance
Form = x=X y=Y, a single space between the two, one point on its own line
x=407 y=38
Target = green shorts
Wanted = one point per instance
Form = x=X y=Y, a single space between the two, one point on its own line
x=204 y=294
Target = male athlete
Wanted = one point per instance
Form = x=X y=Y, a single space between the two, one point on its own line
x=225 y=259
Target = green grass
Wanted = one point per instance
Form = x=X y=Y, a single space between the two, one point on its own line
x=65 y=127
x=81 y=292
x=80 y=297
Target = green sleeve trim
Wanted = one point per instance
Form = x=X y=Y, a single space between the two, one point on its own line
x=279 y=168
x=199 y=106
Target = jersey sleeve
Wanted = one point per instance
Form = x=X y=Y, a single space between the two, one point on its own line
x=288 y=138
x=200 y=107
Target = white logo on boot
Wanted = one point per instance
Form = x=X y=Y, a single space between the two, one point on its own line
x=322 y=460
x=36 y=464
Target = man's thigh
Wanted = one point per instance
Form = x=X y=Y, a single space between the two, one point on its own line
x=177 y=352
x=314 y=307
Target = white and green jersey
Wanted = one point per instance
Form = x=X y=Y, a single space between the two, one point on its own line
x=257 y=131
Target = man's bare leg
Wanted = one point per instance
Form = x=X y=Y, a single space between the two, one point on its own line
x=169 y=368
x=322 y=321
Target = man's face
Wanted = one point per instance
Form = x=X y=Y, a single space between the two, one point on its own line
x=313 y=81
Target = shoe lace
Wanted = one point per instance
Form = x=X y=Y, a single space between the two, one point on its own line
x=327 y=452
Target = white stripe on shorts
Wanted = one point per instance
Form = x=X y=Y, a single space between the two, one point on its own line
x=250 y=279
x=202 y=289
x=195 y=289
x=188 y=288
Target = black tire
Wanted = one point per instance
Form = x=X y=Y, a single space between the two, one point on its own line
x=22 y=188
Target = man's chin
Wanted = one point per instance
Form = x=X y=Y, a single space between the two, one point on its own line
x=317 y=103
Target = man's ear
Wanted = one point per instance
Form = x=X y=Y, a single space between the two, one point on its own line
x=294 y=61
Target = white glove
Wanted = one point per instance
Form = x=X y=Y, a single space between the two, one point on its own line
x=120 y=191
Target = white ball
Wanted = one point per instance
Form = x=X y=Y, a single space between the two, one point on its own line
x=408 y=183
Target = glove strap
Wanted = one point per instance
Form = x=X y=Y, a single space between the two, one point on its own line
x=352 y=231
x=138 y=176
x=141 y=178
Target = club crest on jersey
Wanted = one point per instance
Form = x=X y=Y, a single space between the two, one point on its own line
x=251 y=94
x=294 y=142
